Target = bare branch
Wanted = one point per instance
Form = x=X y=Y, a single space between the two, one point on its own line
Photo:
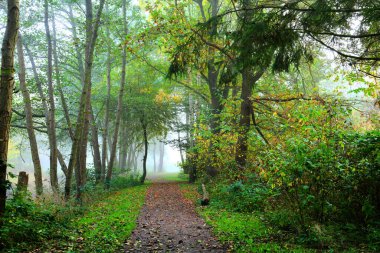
x=38 y=129
x=22 y=114
x=361 y=58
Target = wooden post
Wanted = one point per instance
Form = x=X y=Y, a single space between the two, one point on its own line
x=205 y=198
x=22 y=183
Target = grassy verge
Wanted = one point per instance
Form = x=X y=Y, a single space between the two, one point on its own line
x=108 y=223
x=254 y=232
x=100 y=227
x=246 y=232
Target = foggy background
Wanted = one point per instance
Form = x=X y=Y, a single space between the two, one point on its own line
x=21 y=160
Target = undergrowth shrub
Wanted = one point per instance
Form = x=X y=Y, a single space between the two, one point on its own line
x=310 y=185
x=244 y=196
x=284 y=219
x=125 y=181
x=28 y=223
x=334 y=180
x=316 y=173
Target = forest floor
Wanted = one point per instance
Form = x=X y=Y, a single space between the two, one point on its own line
x=168 y=222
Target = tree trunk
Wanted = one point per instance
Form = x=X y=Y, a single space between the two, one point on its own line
x=135 y=162
x=180 y=147
x=192 y=118
x=187 y=121
x=192 y=173
x=120 y=145
x=191 y=121
x=213 y=71
x=61 y=161
x=6 y=89
x=74 y=138
x=51 y=133
x=76 y=44
x=130 y=156
x=62 y=96
x=43 y=98
x=216 y=106
x=29 y=119
x=119 y=151
x=119 y=102
x=109 y=143
x=107 y=109
x=44 y=102
x=154 y=158
x=95 y=146
x=123 y=148
x=161 y=160
x=249 y=79
x=142 y=179
x=79 y=146
x=58 y=80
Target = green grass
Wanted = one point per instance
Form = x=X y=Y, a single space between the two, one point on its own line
x=252 y=232
x=101 y=226
x=189 y=192
x=245 y=232
x=107 y=224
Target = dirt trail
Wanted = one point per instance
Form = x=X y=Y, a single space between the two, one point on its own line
x=169 y=223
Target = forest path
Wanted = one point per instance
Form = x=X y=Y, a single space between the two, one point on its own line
x=168 y=223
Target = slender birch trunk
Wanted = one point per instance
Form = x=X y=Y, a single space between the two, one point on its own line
x=135 y=161
x=180 y=147
x=123 y=148
x=58 y=79
x=52 y=132
x=119 y=102
x=106 y=119
x=154 y=158
x=130 y=156
x=29 y=118
x=79 y=146
x=44 y=102
x=76 y=44
x=161 y=159
x=144 y=127
x=95 y=146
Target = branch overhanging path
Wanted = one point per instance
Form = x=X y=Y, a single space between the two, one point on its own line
x=187 y=86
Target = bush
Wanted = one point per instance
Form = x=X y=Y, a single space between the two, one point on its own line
x=246 y=196
x=283 y=219
x=46 y=224
x=312 y=187
x=28 y=223
x=121 y=182
x=337 y=179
